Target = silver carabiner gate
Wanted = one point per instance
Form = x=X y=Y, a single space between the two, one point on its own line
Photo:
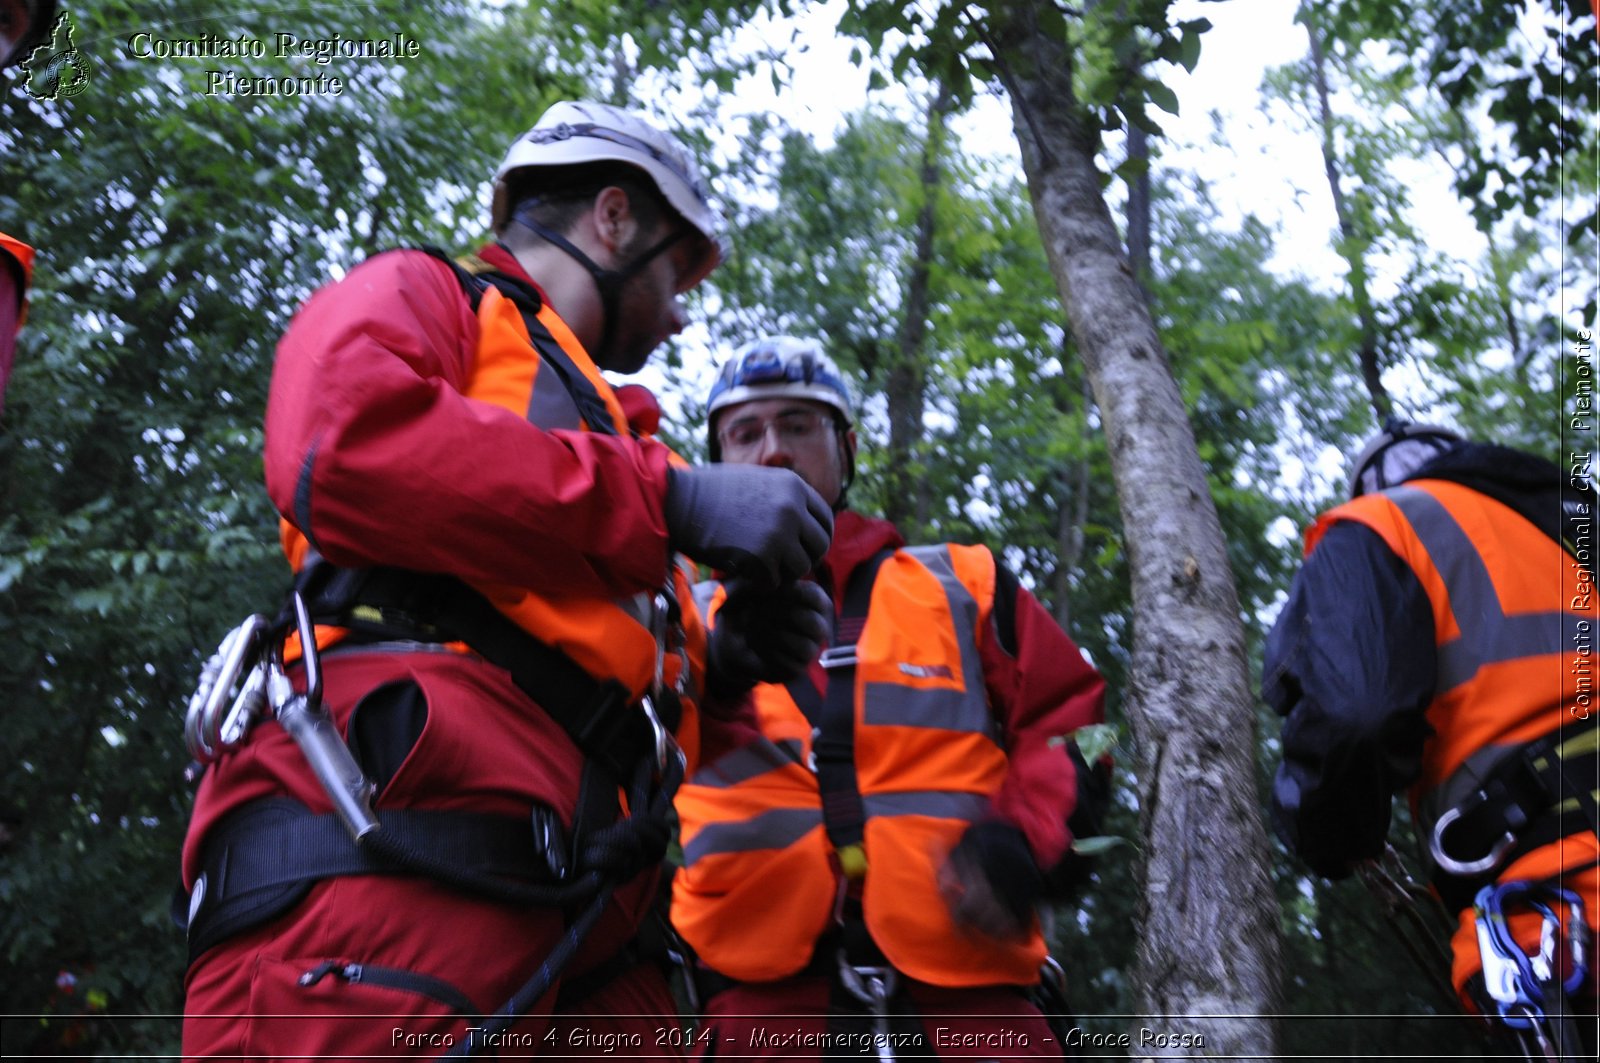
x=314 y=731
x=218 y=719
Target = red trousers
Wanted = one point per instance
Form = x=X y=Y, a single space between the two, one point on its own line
x=427 y=954
x=809 y=1018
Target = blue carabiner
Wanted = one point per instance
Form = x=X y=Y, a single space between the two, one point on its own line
x=1507 y=973
x=1517 y=982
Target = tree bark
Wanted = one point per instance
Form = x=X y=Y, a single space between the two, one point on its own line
x=1208 y=936
x=1139 y=205
x=906 y=503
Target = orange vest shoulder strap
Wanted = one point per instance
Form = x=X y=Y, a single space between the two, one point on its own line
x=476 y=278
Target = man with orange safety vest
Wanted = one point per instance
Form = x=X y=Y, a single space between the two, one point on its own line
x=16 y=273
x=444 y=836
x=1439 y=639
x=23 y=24
x=861 y=872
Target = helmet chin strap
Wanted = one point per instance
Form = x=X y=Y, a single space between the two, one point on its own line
x=608 y=282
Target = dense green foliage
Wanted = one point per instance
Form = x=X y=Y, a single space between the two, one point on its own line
x=178 y=231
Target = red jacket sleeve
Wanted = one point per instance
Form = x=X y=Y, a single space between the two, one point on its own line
x=1040 y=687
x=375 y=454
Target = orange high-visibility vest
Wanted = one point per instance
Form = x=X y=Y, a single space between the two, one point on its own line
x=1506 y=604
x=24 y=255
x=760 y=876
x=512 y=369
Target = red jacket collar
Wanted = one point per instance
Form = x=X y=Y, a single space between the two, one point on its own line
x=500 y=257
x=855 y=540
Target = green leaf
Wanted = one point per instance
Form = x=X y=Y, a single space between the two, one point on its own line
x=1189 y=56
x=1161 y=96
x=1098 y=844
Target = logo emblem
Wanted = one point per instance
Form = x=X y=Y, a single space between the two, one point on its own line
x=57 y=70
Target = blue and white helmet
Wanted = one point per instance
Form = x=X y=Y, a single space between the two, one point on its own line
x=777 y=367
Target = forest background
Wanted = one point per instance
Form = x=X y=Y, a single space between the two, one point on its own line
x=1073 y=355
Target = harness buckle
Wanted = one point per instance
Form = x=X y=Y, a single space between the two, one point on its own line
x=839 y=657
x=873 y=986
x=548 y=842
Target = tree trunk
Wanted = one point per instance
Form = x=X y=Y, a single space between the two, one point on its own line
x=1208 y=937
x=1352 y=241
x=906 y=501
x=1073 y=512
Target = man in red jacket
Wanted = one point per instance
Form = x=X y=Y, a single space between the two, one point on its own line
x=487 y=549
x=16 y=271
x=861 y=872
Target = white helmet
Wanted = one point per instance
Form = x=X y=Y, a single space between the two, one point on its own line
x=573 y=133
x=1395 y=454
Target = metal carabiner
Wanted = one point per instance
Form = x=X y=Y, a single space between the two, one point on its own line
x=217 y=719
x=1465 y=868
x=666 y=747
x=1507 y=975
x=1574 y=937
x=313 y=730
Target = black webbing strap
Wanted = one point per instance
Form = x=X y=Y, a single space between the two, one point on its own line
x=833 y=745
x=591 y=407
x=599 y=716
x=263 y=857
x=1540 y=795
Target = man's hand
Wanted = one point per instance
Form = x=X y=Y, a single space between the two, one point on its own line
x=990 y=881
x=766 y=636
x=750 y=521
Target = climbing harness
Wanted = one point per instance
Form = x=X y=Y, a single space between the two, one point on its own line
x=267 y=853
x=1531 y=994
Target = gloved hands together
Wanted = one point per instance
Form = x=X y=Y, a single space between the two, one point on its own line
x=990 y=881
x=750 y=521
x=766 y=636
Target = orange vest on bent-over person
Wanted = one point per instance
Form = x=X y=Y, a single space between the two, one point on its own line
x=1507 y=601
x=512 y=368
x=23 y=254
x=760 y=876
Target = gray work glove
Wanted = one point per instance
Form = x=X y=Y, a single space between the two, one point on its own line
x=766 y=636
x=752 y=521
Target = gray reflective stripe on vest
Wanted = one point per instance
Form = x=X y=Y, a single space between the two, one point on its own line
x=748 y=762
x=940 y=804
x=1487 y=634
x=777 y=829
x=551 y=405
x=782 y=827
x=703 y=592
x=948 y=710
